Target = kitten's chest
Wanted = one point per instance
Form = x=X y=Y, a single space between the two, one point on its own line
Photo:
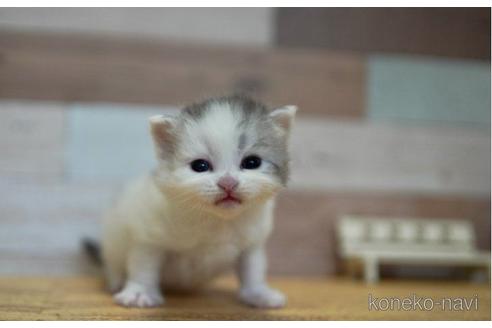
x=192 y=268
x=202 y=255
x=212 y=235
x=198 y=250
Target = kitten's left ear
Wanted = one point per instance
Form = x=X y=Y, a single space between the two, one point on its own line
x=284 y=117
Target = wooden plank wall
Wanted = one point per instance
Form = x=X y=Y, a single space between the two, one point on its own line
x=326 y=85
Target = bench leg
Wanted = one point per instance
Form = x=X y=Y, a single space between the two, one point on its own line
x=481 y=274
x=351 y=268
x=371 y=270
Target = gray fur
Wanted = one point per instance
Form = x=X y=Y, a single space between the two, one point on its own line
x=257 y=130
x=242 y=141
x=248 y=107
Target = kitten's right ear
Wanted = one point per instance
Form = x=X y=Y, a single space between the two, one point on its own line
x=162 y=130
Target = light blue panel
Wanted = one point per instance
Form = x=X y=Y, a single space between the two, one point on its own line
x=429 y=89
x=108 y=141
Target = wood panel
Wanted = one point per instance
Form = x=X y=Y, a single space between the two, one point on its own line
x=43 y=224
x=426 y=90
x=452 y=32
x=82 y=68
x=360 y=156
x=31 y=141
x=244 y=25
x=82 y=298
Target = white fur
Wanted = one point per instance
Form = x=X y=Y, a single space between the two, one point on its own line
x=166 y=230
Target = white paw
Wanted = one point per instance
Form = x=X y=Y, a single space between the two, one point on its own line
x=135 y=295
x=262 y=297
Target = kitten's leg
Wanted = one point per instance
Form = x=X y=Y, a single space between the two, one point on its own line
x=114 y=255
x=115 y=275
x=254 y=289
x=142 y=287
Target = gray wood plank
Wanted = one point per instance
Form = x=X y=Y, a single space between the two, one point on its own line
x=365 y=156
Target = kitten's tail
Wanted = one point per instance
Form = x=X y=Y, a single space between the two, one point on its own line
x=93 y=249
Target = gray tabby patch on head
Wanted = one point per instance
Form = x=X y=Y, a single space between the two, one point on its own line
x=247 y=106
x=257 y=132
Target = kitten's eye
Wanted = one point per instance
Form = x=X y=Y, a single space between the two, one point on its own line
x=251 y=162
x=200 y=165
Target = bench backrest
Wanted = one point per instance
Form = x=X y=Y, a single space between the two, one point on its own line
x=359 y=232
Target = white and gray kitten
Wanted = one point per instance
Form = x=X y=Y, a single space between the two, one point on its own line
x=207 y=207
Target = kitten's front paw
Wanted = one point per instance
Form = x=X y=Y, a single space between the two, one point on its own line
x=262 y=297
x=134 y=295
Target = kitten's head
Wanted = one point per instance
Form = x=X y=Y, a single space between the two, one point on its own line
x=224 y=154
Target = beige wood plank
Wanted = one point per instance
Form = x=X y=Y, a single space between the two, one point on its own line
x=244 y=25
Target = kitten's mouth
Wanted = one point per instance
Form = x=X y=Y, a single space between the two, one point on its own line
x=228 y=201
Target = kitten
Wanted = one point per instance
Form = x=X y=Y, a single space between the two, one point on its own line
x=206 y=208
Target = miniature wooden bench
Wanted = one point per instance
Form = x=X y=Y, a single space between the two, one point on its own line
x=375 y=241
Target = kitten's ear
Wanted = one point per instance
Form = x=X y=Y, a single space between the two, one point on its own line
x=162 y=130
x=284 y=117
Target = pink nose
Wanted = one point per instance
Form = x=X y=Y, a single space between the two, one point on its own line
x=227 y=183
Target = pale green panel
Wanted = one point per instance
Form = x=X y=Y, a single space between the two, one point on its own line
x=108 y=141
x=429 y=89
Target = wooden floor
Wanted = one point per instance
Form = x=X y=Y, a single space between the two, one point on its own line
x=83 y=298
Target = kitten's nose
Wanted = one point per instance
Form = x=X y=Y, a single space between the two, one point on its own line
x=227 y=183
